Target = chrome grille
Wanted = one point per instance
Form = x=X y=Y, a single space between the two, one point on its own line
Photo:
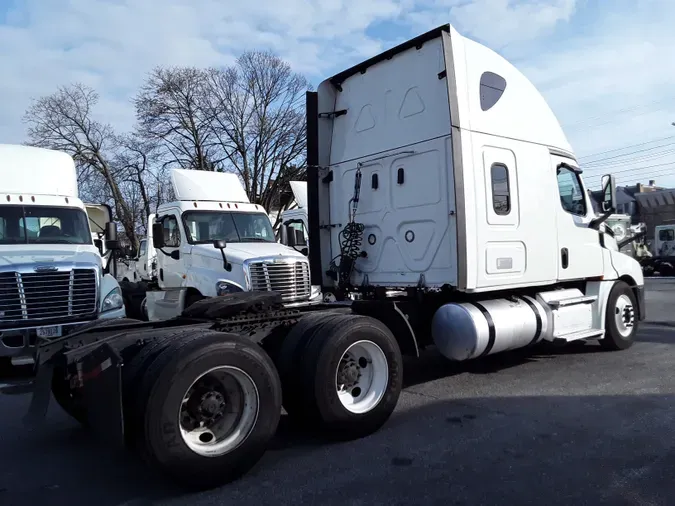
x=47 y=296
x=291 y=279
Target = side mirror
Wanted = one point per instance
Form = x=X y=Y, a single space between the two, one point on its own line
x=283 y=234
x=111 y=242
x=305 y=251
x=175 y=254
x=99 y=244
x=300 y=238
x=221 y=244
x=157 y=235
x=290 y=236
x=608 y=193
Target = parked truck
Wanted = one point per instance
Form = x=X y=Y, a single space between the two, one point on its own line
x=661 y=260
x=52 y=277
x=445 y=207
x=294 y=224
x=208 y=242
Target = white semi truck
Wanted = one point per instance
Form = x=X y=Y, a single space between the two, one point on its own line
x=213 y=241
x=294 y=223
x=52 y=278
x=445 y=207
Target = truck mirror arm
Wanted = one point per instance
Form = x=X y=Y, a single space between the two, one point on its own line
x=596 y=222
x=221 y=246
x=631 y=239
x=175 y=254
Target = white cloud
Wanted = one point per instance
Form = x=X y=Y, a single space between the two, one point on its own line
x=588 y=63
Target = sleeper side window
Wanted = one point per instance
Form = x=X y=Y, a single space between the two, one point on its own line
x=501 y=195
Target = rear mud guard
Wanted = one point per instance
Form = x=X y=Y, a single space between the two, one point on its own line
x=100 y=372
x=389 y=313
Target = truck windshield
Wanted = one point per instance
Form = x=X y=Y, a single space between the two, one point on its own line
x=43 y=225
x=204 y=227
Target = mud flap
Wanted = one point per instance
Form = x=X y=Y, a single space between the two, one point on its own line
x=100 y=374
x=39 y=402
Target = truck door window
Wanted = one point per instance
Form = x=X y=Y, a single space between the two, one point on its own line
x=171 y=232
x=298 y=226
x=667 y=234
x=571 y=192
x=501 y=195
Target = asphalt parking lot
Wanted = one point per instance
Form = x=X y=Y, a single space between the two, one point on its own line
x=576 y=426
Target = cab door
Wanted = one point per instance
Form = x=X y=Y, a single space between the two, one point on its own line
x=171 y=270
x=579 y=250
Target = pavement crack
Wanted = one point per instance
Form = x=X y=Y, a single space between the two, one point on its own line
x=426 y=396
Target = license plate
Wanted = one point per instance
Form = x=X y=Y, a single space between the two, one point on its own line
x=49 y=331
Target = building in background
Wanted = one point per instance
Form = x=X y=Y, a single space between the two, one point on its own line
x=626 y=200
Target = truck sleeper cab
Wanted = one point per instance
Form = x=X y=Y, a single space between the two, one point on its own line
x=445 y=207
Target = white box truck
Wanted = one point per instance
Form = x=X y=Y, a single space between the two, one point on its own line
x=443 y=197
x=51 y=274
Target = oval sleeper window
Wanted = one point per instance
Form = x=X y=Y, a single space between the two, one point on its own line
x=492 y=88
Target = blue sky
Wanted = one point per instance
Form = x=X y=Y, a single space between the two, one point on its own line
x=605 y=67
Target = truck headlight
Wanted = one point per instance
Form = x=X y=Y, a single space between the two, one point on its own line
x=113 y=300
x=223 y=287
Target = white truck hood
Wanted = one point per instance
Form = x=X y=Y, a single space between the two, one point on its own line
x=238 y=252
x=13 y=255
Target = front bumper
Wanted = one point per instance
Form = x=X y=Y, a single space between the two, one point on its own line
x=642 y=307
x=20 y=343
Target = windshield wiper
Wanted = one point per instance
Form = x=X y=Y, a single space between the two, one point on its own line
x=253 y=239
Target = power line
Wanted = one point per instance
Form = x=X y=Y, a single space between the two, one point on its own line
x=611 y=117
x=635 y=169
x=631 y=163
x=666 y=173
x=626 y=147
x=628 y=154
x=613 y=120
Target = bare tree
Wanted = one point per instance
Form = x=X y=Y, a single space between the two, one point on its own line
x=63 y=121
x=137 y=160
x=256 y=112
x=169 y=109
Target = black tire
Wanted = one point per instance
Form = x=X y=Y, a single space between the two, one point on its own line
x=69 y=399
x=314 y=400
x=161 y=394
x=191 y=298
x=132 y=374
x=621 y=299
x=232 y=303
